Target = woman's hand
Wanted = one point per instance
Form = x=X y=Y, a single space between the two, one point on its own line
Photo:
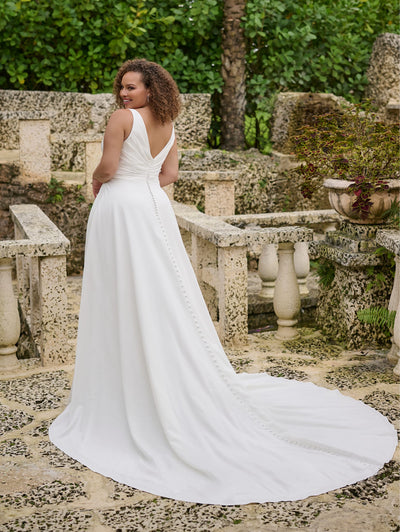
x=96 y=185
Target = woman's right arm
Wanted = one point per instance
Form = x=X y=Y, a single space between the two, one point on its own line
x=118 y=128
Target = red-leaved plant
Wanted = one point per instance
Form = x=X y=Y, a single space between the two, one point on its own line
x=351 y=144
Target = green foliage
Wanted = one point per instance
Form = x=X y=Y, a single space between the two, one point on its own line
x=392 y=215
x=56 y=191
x=325 y=270
x=379 y=276
x=318 y=46
x=70 y=45
x=379 y=316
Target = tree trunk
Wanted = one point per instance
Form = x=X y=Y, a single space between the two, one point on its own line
x=233 y=100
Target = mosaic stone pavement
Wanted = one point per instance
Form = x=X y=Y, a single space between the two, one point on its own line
x=43 y=489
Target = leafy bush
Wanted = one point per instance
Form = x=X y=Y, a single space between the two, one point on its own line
x=308 y=45
x=312 y=46
x=70 y=45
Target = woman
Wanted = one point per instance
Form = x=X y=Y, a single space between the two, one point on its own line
x=155 y=403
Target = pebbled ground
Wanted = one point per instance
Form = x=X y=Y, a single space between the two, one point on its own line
x=43 y=489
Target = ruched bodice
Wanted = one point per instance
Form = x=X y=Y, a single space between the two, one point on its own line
x=136 y=160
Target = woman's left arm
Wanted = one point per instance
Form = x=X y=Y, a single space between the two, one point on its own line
x=116 y=131
x=169 y=169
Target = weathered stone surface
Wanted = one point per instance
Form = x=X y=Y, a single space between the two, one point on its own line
x=352 y=245
x=274 y=219
x=54 y=348
x=261 y=185
x=38 y=228
x=193 y=123
x=46 y=490
x=293 y=110
x=352 y=290
x=74 y=115
x=69 y=214
x=232 y=295
x=384 y=70
x=389 y=239
x=35 y=151
x=219 y=191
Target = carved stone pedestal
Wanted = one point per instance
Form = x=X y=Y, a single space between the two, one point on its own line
x=362 y=279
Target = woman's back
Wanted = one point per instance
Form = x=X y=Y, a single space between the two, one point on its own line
x=136 y=159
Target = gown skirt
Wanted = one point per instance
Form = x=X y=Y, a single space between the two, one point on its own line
x=155 y=403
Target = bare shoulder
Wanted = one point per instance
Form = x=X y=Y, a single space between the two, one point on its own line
x=121 y=116
x=120 y=122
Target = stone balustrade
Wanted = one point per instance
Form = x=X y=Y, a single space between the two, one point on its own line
x=218 y=252
x=321 y=221
x=40 y=252
x=390 y=239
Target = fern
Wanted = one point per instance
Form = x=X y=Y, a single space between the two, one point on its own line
x=379 y=316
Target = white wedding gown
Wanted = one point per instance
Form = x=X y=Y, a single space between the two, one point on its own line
x=155 y=403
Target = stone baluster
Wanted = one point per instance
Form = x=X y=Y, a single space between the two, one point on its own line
x=394 y=304
x=9 y=318
x=286 y=295
x=268 y=270
x=219 y=193
x=302 y=266
x=35 y=154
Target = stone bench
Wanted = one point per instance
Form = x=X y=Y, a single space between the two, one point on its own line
x=40 y=251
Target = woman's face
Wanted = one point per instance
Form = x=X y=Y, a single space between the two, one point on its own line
x=133 y=91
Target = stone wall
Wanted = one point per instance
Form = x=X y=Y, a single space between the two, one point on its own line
x=384 y=71
x=262 y=183
x=73 y=115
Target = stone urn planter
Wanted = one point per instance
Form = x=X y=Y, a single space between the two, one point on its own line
x=341 y=199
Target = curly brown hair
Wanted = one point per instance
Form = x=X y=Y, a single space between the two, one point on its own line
x=164 y=99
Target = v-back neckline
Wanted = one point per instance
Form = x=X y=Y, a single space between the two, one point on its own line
x=148 y=140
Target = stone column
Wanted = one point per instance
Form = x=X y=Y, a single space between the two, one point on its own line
x=9 y=318
x=232 y=295
x=53 y=304
x=302 y=266
x=204 y=260
x=35 y=155
x=287 y=295
x=268 y=270
x=219 y=193
x=92 y=159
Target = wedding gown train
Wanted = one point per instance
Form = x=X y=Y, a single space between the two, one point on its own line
x=155 y=403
